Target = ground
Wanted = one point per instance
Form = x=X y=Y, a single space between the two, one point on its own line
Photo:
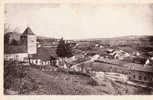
x=57 y=82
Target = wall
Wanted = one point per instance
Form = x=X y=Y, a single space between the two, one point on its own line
x=141 y=76
x=31 y=44
x=30 y=41
x=15 y=57
x=39 y=62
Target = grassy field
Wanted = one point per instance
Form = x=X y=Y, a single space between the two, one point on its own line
x=58 y=82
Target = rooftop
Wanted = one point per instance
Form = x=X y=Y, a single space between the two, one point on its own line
x=139 y=67
x=131 y=66
x=28 y=31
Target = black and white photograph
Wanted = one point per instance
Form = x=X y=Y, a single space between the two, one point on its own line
x=78 y=49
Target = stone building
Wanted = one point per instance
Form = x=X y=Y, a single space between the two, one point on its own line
x=28 y=38
x=22 y=51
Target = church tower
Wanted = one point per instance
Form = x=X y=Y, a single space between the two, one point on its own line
x=29 y=39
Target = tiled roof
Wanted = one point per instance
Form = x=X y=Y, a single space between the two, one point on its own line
x=139 y=67
x=28 y=31
x=113 y=61
x=9 y=49
x=130 y=66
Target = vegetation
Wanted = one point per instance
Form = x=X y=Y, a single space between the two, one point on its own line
x=63 y=49
x=14 y=42
x=6 y=39
x=30 y=80
x=15 y=76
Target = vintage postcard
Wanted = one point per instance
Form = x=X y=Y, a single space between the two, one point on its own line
x=78 y=49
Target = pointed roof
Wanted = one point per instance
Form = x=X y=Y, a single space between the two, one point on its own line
x=28 y=31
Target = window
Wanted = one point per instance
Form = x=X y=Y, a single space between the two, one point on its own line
x=134 y=76
x=36 y=61
x=145 y=78
x=140 y=77
x=129 y=72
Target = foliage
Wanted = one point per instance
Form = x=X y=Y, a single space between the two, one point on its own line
x=63 y=49
x=6 y=39
x=14 y=42
x=13 y=71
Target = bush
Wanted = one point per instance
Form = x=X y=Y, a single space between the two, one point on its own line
x=13 y=72
x=92 y=82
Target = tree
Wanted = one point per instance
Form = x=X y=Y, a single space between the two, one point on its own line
x=63 y=49
x=68 y=50
x=14 y=42
x=6 y=28
x=6 y=39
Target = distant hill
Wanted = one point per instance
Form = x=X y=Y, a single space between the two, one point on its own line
x=48 y=41
x=130 y=37
x=142 y=44
x=44 y=37
x=125 y=40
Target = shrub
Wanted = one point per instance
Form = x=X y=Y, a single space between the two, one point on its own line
x=13 y=73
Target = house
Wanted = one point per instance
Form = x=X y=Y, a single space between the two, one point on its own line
x=149 y=61
x=135 y=72
x=119 y=54
x=140 y=73
x=98 y=46
x=109 y=50
x=28 y=52
x=22 y=51
x=95 y=57
x=15 y=53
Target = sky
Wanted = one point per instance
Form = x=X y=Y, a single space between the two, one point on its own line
x=81 y=21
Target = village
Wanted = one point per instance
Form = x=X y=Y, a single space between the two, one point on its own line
x=113 y=69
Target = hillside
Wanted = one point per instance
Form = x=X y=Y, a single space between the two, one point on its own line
x=124 y=40
x=58 y=82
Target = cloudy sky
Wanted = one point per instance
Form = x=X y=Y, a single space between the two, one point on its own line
x=78 y=21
